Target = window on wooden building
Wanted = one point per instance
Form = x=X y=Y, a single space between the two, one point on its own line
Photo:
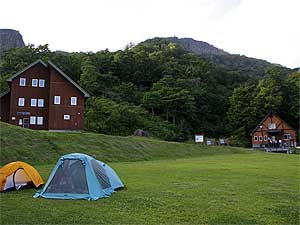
x=33 y=102
x=34 y=82
x=32 y=119
x=40 y=102
x=287 y=136
x=66 y=117
x=255 y=138
x=41 y=83
x=21 y=102
x=265 y=137
x=260 y=138
x=73 y=100
x=40 y=120
x=57 y=100
x=22 y=81
x=272 y=126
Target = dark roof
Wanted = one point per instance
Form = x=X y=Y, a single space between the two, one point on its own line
x=56 y=68
x=26 y=68
x=4 y=93
x=269 y=114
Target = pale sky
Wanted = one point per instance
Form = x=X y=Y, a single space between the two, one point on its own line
x=265 y=29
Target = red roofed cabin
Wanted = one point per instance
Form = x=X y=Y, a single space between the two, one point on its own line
x=42 y=97
x=273 y=132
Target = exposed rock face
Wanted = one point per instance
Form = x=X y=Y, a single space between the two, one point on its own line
x=10 y=39
x=198 y=47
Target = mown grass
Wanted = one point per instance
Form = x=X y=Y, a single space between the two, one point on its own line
x=40 y=147
x=218 y=189
x=166 y=183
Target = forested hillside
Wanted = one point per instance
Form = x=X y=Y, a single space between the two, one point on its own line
x=234 y=63
x=172 y=93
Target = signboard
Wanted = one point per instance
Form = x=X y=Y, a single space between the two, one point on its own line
x=199 y=138
x=23 y=113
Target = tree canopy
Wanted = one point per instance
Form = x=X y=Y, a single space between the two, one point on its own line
x=172 y=93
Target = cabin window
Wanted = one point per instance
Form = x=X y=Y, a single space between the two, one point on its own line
x=56 y=100
x=287 y=136
x=20 y=122
x=265 y=137
x=33 y=102
x=40 y=120
x=260 y=138
x=255 y=138
x=41 y=102
x=272 y=126
x=34 y=82
x=22 y=81
x=32 y=119
x=66 y=117
x=41 y=83
x=21 y=102
x=73 y=100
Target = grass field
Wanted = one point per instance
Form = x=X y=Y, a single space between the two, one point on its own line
x=43 y=147
x=166 y=183
x=221 y=189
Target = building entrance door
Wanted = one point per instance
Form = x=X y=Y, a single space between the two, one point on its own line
x=26 y=122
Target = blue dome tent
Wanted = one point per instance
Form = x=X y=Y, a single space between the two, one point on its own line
x=79 y=176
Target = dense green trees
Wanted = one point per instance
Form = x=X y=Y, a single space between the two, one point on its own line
x=172 y=93
x=250 y=102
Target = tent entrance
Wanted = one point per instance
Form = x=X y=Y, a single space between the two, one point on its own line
x=70 y=177
x=17 y=180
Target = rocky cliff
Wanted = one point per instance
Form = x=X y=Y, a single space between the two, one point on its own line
x=198 y=47
x=10 y=39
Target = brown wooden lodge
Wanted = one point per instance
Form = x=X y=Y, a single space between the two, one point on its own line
x=273 y=134
x=43 y=97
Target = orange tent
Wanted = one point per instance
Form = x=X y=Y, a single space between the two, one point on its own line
x=14 y=175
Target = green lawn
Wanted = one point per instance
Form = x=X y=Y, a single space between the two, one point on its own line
x=253 y=188
x=43 y=147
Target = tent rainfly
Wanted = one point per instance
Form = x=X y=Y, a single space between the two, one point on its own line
x=79 y=176
x=18 y=174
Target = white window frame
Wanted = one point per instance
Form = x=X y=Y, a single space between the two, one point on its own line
x=57 y=100
x=255 y=138
x=260 y=138
x=33 y=102
x=39 y=120
x=41 y=102
x=67 y=117
x=34 y=82
x=265 y=138
x=73 y=100
x=20 y=122
x=21 y=102
x=32 y=120
x=22 y=82
x=41 y=83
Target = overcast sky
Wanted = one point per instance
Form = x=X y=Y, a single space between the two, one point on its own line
x=265 y=29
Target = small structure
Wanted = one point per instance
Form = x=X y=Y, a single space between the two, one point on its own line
x=273 y=134
x=43 y=97
x=18 y=174
x=141 y=133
